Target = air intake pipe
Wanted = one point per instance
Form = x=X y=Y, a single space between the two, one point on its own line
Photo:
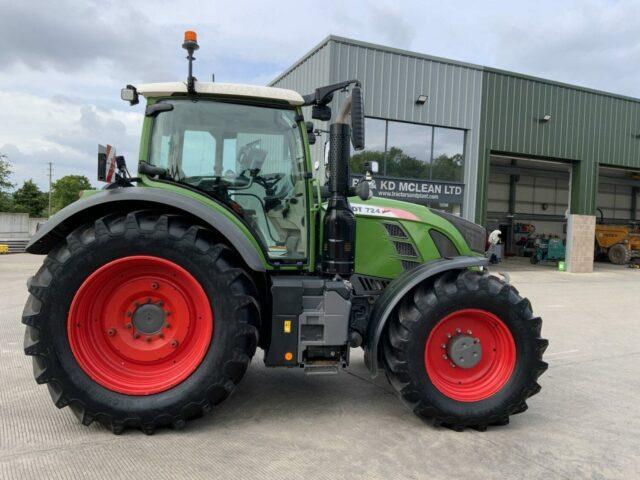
x=338 y=245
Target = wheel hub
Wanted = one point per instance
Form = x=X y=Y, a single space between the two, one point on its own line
x=149 y=319
x=469 y=355
x=140 y=325
x=464 y=351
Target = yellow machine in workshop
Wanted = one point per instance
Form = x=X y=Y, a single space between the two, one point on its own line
x=620 y=243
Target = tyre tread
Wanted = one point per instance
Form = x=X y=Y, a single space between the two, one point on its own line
x=118 y=225
x=398 y=339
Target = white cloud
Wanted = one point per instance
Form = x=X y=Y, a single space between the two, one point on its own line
x=66 y=133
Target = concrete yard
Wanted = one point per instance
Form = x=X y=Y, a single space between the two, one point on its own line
x=585 y=423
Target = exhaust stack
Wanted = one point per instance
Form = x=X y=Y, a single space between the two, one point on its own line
x=338 y=246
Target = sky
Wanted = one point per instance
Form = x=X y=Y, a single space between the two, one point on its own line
x=64 y=61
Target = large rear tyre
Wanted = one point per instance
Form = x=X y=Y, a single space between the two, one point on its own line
x=619 y=254
x=140 y=320
x=465 y=351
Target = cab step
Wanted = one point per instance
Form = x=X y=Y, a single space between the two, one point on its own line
x=322 y=369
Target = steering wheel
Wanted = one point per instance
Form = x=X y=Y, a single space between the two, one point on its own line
x=271 y=179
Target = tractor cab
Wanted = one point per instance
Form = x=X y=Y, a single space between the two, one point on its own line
x=243 y=147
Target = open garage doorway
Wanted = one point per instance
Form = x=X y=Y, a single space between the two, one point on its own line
x=528 y=201
x=618 y=216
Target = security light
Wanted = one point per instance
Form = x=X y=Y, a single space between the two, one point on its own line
x=421 y=100
x=546 y=117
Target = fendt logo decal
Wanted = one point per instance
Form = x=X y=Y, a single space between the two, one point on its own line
x=372 y=211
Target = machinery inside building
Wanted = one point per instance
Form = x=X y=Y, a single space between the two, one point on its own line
x=528 y=201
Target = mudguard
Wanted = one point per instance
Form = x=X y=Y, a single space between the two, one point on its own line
x=114 y=200
x=397 y=289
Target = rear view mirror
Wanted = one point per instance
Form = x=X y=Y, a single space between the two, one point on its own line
x=363 y=190
x=357 y=118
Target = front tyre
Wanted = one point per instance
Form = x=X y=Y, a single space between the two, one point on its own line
x=140 y=320
x=465 y=351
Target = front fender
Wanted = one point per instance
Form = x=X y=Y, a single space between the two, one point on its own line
x=121 y=199
x=397 y=289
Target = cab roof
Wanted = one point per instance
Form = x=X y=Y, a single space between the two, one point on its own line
x=230 y=89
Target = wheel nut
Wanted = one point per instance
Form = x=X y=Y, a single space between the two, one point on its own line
x=445 y=356
x=111 y=332
x=174 y=343
x=136 y=335
x=443 y=345
x=154 y=285
x=458 y=330
x=129 y=326
x=148 y=339
x=167 y=325
x=129 y=314
x=160 y=303
x=469 y=332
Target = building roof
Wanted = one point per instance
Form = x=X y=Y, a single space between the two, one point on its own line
x=447 y=61
x=231 y=89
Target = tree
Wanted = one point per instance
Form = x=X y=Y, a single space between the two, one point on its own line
x=398 y=164
x=67 y=190
x=448 y=167
x=30 y=199
x=6 y=202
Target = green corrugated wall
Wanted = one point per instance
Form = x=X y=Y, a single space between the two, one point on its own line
x=587 y=128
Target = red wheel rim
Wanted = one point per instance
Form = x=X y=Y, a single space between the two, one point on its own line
x=493 y=370
x=140 y=325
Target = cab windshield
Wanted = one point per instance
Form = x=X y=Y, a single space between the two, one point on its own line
x=250 y=158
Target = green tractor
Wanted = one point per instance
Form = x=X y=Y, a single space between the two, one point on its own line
x=156 y=290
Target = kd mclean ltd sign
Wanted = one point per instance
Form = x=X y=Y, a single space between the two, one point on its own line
x=417 y=191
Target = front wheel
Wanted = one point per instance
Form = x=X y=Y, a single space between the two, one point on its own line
x=140 y=320
x=465 y=350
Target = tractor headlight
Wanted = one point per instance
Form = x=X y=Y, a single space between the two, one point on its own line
x=475 y=235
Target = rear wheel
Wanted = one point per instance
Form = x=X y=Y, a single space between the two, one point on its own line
x=140 y=321
x=465 y=351
x=619 y=254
